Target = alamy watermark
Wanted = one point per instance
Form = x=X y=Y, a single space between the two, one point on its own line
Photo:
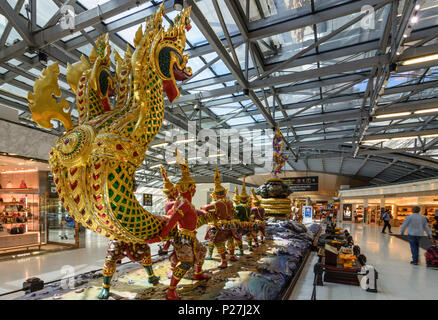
x=225 y=146
x=368 y=21
x=67 y=20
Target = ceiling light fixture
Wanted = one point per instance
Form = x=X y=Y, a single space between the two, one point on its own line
x=155 y=166
x=426 y=111
x=414 y=19
x=421 y=59
x=217 y=155
x=391 y=115
x=160 y=145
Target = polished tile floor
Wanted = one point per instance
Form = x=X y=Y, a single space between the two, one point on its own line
x=398 y=279
x=49 y=267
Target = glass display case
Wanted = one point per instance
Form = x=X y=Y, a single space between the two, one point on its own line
x=20 y=219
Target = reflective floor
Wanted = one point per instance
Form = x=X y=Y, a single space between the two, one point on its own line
x=398 y=279
x=48 y=266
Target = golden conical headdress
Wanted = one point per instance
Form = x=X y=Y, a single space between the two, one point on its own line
x=243 y=195
x=236 y=197
x=168 y=186
x=218 y=189
x=255 y=199
x=186 y=180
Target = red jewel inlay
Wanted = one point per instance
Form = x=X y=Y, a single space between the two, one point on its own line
x=100 y=207
x=97 y=198
x=96 y=176
x=80 y=93
x=74 y=185
x=97 y=166
x=119 y=147
x=99 y=230
x=56 y=180
x=135 y=154
x=67 y=141
x=73 y=171
x=62 y=200
x=96 y=187
x=82 y=211
x=77 y=199
x=99 y=143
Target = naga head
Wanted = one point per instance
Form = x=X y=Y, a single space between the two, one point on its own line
x=101 y=79
x=167 y=54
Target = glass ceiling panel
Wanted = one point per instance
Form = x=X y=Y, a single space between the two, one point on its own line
x=281 y=9
x=13 y=36
x=324 y=4
x=240 y=121
x=220 y=111
x=207 y=8
x=353 y=35
x=348 y=105
x=3 y=24
x=402 y=79
x=14 y=90
x=12 y=3
x=89 y=4
x=45 y=10
x=428 y=15
x=283 y=46
x=129 y=12
x=128 y=34
x=3 y=70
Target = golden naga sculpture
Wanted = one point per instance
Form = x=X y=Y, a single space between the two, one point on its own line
x=95 y=160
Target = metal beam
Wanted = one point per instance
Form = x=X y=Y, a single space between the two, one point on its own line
x=19 y=23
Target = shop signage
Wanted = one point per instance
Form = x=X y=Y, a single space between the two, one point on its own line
x=347 y=212
x=147 y=199
x=307 y=213
x=297 y=184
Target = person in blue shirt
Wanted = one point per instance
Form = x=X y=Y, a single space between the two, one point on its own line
x=386 y=217
x=416 y=225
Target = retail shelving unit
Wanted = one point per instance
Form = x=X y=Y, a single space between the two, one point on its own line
x=402 y=213
x=19 y=208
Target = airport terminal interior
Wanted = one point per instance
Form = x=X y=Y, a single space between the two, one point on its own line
x=218 y=150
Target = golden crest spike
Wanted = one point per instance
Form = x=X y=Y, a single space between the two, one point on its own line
x=168 y=186
x=75 y=71
x=236 y=198
x=243 y=194
x=178 y=157
x=93 y=55
x=218 y=188
x=128 y=52
x=42 y=102
x=256 y=199
x=138 y=36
